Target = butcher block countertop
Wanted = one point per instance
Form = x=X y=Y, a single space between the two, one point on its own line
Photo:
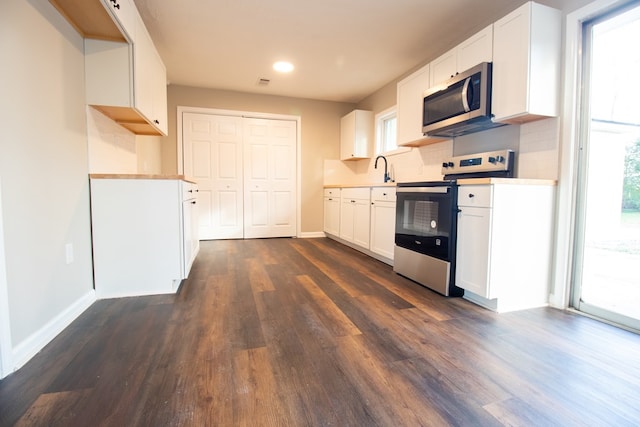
x=139 y=176
x=388 y=184
x=464 y=181
x=511 y=181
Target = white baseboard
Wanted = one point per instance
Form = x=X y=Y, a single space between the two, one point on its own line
x=312 y=234
x=28 y=348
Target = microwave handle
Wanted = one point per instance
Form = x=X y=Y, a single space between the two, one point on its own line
x=465 y=97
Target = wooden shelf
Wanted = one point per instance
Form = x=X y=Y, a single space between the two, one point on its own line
x=129 y=119
x=89 y=18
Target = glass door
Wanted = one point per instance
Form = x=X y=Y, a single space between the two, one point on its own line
x=606 y=279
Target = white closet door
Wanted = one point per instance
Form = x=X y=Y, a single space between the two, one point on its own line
x=212 y=152
x=270 y=178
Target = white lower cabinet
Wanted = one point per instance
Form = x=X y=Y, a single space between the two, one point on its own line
x=355 y=216
x=363 y=218
x=191 y=240
x=383 y=220
x=142 y=231
x=332 y=211
x=503 y=257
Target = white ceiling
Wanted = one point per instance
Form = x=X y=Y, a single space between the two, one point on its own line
x=343 y=50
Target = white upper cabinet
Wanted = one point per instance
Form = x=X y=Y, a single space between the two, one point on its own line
x=526 y=64
x=409 y=106
x=150 y=80
x=124 y=14
x=409 y=109
x=476 y=49
x=125 y=77
x=356 y=135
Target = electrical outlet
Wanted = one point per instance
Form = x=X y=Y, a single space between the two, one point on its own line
x=68 y=249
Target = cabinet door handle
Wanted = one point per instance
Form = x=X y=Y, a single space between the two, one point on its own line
x=156 y=122
x=117 y=6
x=471 y=195
x=193 y=203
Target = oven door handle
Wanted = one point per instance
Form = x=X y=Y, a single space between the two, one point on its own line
x=438 y=190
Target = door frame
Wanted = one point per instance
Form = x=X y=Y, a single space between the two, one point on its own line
x=251 y=115
x=6 y=350
x=562 y=276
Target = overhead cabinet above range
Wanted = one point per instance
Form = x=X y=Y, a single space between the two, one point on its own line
x=476 y=49
x=125 y=77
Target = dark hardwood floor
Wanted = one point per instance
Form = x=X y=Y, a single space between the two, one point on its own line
x=293 y=332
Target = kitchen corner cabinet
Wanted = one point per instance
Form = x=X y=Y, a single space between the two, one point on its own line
x=504 y=241
x=332 y=211
x=355 y=215
x=142 y=235
x=356 y=135
x=383 y=220
x=526 y=64
x=476 y=49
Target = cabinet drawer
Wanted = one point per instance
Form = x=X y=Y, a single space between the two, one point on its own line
x=356 y=193
x=189 y=190
x=383 y=194
x=475 y=195
x=332 y=192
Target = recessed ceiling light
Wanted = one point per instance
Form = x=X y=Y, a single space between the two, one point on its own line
x=283 y=66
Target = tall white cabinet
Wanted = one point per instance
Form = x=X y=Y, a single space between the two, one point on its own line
x=526 y=64
x=503 y=257
x=143 y=234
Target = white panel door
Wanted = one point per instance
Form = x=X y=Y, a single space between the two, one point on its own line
x=270 y=178
x=213 y=157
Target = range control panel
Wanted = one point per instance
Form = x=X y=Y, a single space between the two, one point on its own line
x=491 y=161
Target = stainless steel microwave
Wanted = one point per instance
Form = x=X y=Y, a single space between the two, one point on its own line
x=460 y=105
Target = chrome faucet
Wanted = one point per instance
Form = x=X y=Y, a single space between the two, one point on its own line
x=387 y=178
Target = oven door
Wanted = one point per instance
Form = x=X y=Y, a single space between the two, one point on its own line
x=426 y=221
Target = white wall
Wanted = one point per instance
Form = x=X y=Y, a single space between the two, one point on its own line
x=114 y=149
x=43 y=165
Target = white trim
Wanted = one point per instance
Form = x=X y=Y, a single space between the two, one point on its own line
x=312 y=234
x=252 y=115
x=6 y=359
x=28 y=348
x=567 y=178
x=378 y=120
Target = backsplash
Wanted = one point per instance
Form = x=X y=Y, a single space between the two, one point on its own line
x=535 y=144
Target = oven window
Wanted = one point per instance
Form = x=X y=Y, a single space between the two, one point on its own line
x=424 y=217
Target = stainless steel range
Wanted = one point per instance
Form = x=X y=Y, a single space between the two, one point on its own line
x=426 y=219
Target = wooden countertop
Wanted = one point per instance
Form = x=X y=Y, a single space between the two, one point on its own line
x=511 y=181
x=139 y=176
x=387 y=184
